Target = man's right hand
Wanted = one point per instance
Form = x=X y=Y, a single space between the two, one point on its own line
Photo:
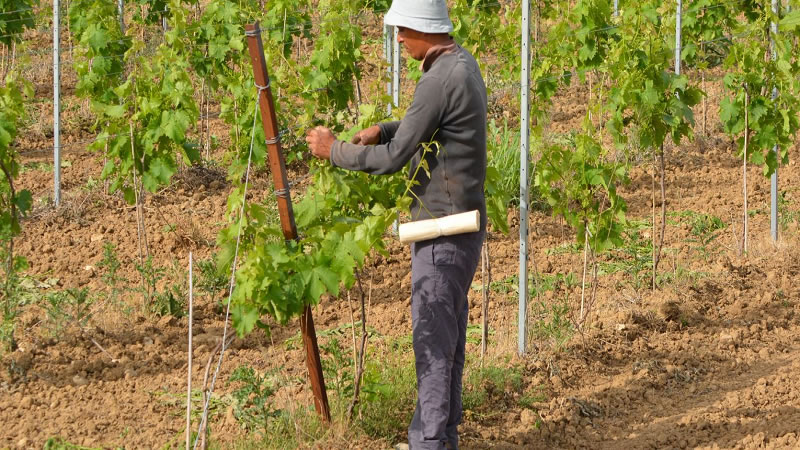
x=368 y=136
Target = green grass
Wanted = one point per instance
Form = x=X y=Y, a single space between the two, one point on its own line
x=388 y=400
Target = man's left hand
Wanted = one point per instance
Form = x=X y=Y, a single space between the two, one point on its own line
x=320 y=140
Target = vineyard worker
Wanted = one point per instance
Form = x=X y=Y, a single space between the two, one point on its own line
x=449 y=106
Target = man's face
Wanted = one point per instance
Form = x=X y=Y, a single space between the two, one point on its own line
x=413 y=41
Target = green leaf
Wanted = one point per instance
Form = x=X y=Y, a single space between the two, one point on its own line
x=245 y=317
x=114 y=111
x=322 y=280
x=158 y=174
x=23 y=200
x=96 y=38
x=790 y=21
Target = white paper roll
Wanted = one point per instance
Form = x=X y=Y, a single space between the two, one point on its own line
x=422 y=230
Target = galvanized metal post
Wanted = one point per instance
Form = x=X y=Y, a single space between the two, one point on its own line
x=121 y=12
x=395 y=70
x=773 y=217
x=678 y=38
x=616 y=8
x=164 y=20
x=523 y=176
x=389 y=56
x=395 y=96
x=56 y=103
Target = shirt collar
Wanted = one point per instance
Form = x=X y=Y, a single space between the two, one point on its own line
x=435 y=52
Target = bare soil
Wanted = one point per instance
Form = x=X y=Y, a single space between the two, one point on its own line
x=708 y=360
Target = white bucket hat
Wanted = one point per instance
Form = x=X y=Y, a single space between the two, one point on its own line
x=426 y=16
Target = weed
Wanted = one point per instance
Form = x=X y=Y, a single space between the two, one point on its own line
x=552 y=283
x=68 y=307
x=59 y=443
x=212 y=280
x=487 y=388
x=298 y=429
x=343 y=330
x=705 y=230
x=150 y=277
x=550 y=321
x=253 y=406
x=110 y=276
x=531 y=397
x=42 y=166
x=474 y=333
x=503 y=286
x=503 y=155
x=786 y=216
x=679 y=276
x=14 y=296
x=171 y=300
x=334 y=365
x=390 y=382
x=536 y=287
x=634 y=257
x=565 y=248
x=91 y=184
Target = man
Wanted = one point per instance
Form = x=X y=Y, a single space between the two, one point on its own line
x=449 y=107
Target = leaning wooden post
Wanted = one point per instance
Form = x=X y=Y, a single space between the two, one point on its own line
x=277 y=167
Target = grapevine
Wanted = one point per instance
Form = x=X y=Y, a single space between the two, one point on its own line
x=14 y=203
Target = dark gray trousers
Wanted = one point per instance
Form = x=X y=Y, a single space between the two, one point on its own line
x=441 y=275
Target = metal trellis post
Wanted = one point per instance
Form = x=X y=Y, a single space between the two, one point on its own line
x=121 y=11
x=395 y=96
x=773 y=217
x=389 y=56
x=616 y=8
x=678 y=38
x=395 y=70
x=523 y=176
x=56 y=103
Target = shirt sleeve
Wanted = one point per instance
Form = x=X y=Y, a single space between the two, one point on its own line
x=419 y=125
x=388 y=130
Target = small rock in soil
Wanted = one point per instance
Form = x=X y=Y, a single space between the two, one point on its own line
x=528 y=417
x=78 y=380
x=167 y=321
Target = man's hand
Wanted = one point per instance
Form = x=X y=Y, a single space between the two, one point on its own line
x=369 y=136
x=320 y=140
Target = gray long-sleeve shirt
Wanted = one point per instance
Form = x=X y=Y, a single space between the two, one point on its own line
x=449 y=107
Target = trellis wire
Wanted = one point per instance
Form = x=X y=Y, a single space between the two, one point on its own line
x=773 y=216
x=203 y=421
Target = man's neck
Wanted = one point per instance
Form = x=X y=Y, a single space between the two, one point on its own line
x=437 y=39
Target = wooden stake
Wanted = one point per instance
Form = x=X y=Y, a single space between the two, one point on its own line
x=277 y=166
x=744 y=164
x=585 y=264
x=189 y=364
x=653 y=237
x=663 y=170
x=486 y=277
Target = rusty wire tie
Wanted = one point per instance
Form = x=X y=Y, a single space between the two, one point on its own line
x=282 y=193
